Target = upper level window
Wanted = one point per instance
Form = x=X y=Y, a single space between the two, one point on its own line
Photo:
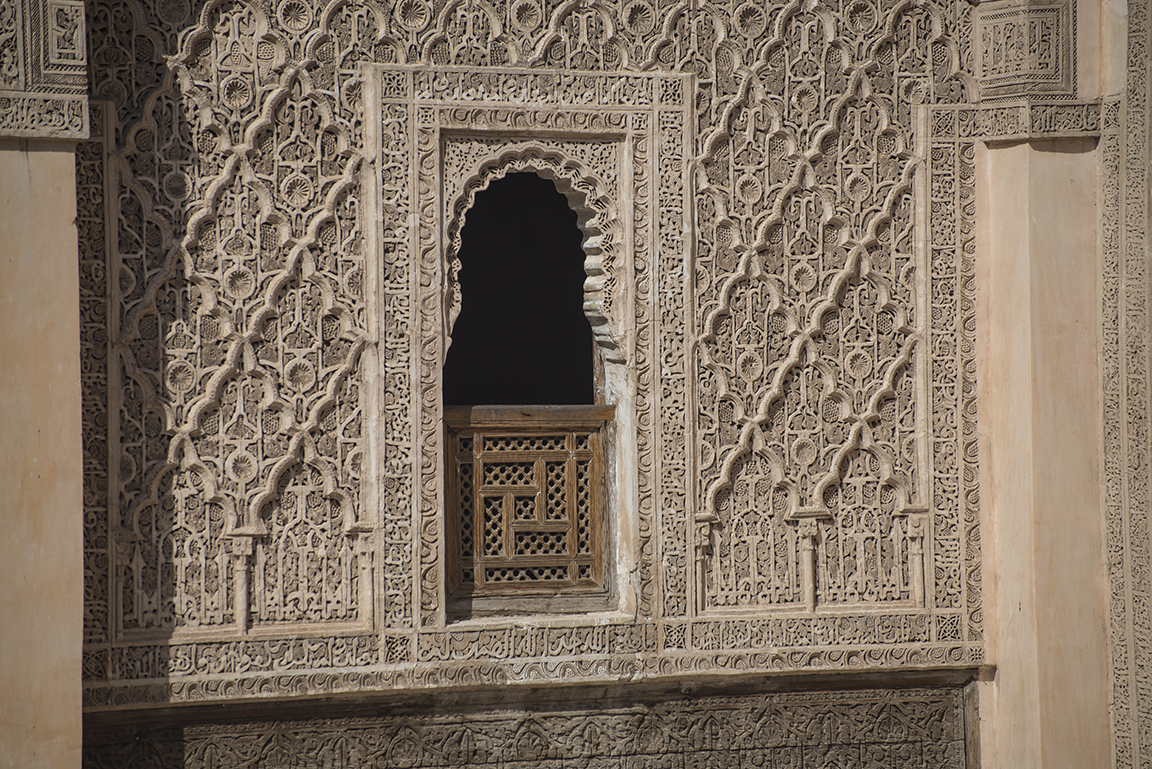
x=521 y=337
x=526 y=440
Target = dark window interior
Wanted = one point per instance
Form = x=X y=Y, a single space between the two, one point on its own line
x=521 y=337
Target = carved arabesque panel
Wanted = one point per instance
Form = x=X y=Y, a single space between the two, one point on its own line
x=92 y=231
x=1025 y=49
x=1124 y=241
x=43 y=62
x=794 y=306
x=814 y=384
x=238 y=303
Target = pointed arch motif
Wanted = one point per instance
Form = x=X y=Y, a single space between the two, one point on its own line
x=580 y=36
x=596 y=214
x=471 y=33
x=600 y=135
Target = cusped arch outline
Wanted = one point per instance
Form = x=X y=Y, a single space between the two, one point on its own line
x=596 y=216
x=443 y=33
x=554 y=31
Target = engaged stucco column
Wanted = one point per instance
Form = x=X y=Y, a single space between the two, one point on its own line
x=41 y=560
x=1047 y=703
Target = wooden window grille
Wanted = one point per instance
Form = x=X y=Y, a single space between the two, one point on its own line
x=526 y=499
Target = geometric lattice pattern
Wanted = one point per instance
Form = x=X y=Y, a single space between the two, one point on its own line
x=528 y=504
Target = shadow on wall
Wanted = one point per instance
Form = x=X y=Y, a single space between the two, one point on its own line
x=222 y=288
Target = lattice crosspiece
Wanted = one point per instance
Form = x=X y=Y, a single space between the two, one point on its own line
x=526 y=487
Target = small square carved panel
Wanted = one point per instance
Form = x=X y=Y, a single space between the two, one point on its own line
x=65 y=32
x=1025 y=51
x=526 y=500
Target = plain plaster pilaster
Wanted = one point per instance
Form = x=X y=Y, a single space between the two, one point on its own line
x=1047 y=705
x=1111 y=44
x=41 y=558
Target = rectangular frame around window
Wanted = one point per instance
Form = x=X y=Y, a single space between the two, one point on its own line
x=621 y=143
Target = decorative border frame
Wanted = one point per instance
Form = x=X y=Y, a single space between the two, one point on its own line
x=48 y=97
x=911 y=727
x=1126 y=357
x=596 y=134
x=1025 y=50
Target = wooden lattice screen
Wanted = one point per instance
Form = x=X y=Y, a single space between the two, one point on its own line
x=526 y=499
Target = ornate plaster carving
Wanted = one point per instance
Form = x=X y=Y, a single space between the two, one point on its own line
x=277 y=189
x=1021 y=121
x=575 y=129
x=1124 y=245
x=43 y=69
x=1025 y=49
x=899 y=729
x=470 y=163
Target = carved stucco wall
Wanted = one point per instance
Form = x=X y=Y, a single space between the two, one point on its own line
x=43 y=69
x=779 y=203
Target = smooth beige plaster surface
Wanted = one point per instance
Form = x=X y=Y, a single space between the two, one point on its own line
x=1113 y=42
x=1089 y=37
x=1047 y=705
x=41 y=603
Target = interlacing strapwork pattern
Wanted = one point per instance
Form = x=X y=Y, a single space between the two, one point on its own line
x=813 y=391
x=778 y=227
x=538 y=501
x=238 y=322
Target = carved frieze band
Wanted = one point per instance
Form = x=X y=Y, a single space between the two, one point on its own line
x=43 y=69
x=461 y=659
x=1020 y=122
x=1026 y=49
x=895 y=729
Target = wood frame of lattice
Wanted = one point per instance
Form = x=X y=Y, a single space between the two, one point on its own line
x=526 y=504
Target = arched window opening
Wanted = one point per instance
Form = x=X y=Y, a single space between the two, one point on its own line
x=521 y=336
x=527 y=460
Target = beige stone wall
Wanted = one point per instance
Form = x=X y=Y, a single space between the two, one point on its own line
x=1047 y=704
x=41 y=604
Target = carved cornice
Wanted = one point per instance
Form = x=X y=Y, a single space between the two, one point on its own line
x=1020 y=121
